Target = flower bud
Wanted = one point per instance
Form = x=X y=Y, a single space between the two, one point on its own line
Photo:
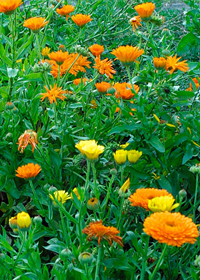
x=113 y=171
x=120 y=156
x=52 y=189
x=85 y=258
x=23 y=221
x=37 y=220
x=15 y=110
x=182 y=193
x=195 y=168
x=111 y=90
x=13 y=222
x=93 y=204
x=166 y=53
x=133 y=156
x=9 y=105
x=66 y=253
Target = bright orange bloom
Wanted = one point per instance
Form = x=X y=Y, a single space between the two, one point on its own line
x=159 y=62
x=135 y=22
x=9 y=6
x=59 y=57
x=173 y=64
x=141 y=196
x=104 y=66
x=65 y=10
x=81 y=19
x=96 y=49
x=196 y=84
x=78 y=81
x=102 y=87
x=124 y=90
x=127 y=54
x=28 y=171
x=35 y=23
x=145 y=10
x=171 y=228
x=28 y=137
x=53 y=93
x=98 y=230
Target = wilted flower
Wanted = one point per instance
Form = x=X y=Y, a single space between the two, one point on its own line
x=120 y=156
x=28 y=137
x=104 y=67
x=162 y=204
x=96 y=49
x=81 y=19
x=28 y=171
x=35 y=23
x=53 y=93
x=135 y=22
x=93 y=204
x=23 y=221
x=90 y=149
x=127 y=54
x=61 y=196
x=133 y=156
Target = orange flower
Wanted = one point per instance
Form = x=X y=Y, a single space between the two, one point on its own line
x=28 y=137
x=59 y=57
x=104 y=66
x=81 y=19
x=78 y=81
x=98 y=230
x=173 y=64
x=124 y=90
x=135 y=22
x=9 y=6
x=102 y=87
x=159 y=62
x=96 y=49
x=53 y=93
x=65 y=10
x=171 y=228
x=145 y=10
x=127 y=54
x=28 y=171
x=141 y=196
x=35 y=23
x=196 y=84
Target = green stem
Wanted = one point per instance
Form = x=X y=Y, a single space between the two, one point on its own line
x=66 y=74
x=58 y=78
x=108 y=191
x=122 y=175
x=98 y=264
x=158 y=263
x=63 y=227
x=19 y=253
x=195 y=196
x=38 y=45
x=144 y=259
x=120 y=212
x=87 y=177
x=95 y=180
x=35 y=194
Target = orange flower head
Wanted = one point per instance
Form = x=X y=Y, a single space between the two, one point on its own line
x=135 y=22
x=9 y=6
x=102 y=87
x=124 y=90
x=65 y=10
x=127 y=54
x=196 y=84
x=28 y=171
x=28 y=137
x=96 y=49
x=59 y=57
x=142 y=196
x=173 y=64
x=104 y=67
x=53 y=93
x=159 y=62
x=171 y=228
x=35 y=23
x=78 y=81
x=98 y=230
x=145 y=10
x=81 y=19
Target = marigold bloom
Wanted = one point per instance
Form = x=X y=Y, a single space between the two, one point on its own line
x=142 y=196
x=28 y=137
x=133 y=156
x=23 y=221
x=9 y=6
x=13 y=222
x=102 y=87
x=35 y=23
x=159 y=62
x=75 y=191
x=104 y=67
x=127 y=54
x=59 y=57
x=135 y=22
x=124 y=188
x=81 y=19
x=53 y=93
x=171 y=228
x=162 y=204
x=96 y=49
x=65 y=10
x=120 y=156
x=124 y=90
x=173 y=64
x=90 y=149
x=45 y=51
x=78 y=81
x=98 y=230
x=93 y=204
x=28 y=171
x=145 y=10
x=61 y=196
x=196 y=84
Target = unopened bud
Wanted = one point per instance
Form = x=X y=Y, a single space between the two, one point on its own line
x=182 y=193
x=85 y=258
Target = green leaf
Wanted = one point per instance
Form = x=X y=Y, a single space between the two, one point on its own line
x=119 y=129
x=155 y=142
x=183 y=95
x=188 y=154
x=186 y=43
x=164 y=184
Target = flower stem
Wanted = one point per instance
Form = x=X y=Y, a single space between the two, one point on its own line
x=38 y=45
x=35 y=194
x=95 y=180
x=195 y=196
x=19 y=252
x=158 y=263
x=144 y=259
x=120 y=212
x=63 y=227
x=98 y=264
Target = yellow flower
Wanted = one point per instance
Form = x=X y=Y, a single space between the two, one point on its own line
x=23 y=221
x=93 y=204
x=123 y=146
x=61 y=196
x=162 y=204
x=120 y=156
x=124 y=188
x=157 y=118
x=45 y=51
x=134 y=155
x=13 y=222
x=76 y=193
x=90 y=149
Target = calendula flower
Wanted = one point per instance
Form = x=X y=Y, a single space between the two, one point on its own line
x=28 y=171
x=35 y=23
x=45 y=51
x=96 y=49
x=171 y=228
x=124 y=146
x=127 y=54
x=159 y=62
x=78 y=81
x=76 y=193
x=104 y=67
x=81 y=19
x=90 y=149
x=173 y=64
x=23 y=221
x=65 y=10
x=98 y=230
x=124 y=188
x=133 y=156
x=93 y=204
x=196 y=84
x=61 y=196
x=123 y=90
x=135 y=22
x=102 y=87
x=59 y=57
x=9 y=6
x=28 y=137
x=142 y=196
x=93 y=104
x=53 y=93
x=145 y=10
x=13 y=222
x=120 y=156
x=162 y=204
